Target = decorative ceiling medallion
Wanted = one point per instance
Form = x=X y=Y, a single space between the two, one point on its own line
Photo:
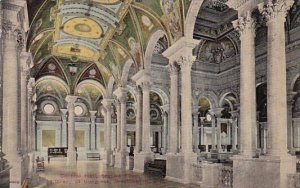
x=83 y=27
x=51 y=66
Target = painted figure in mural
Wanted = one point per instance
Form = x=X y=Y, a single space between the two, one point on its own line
x=172 y=16
x=134 y=49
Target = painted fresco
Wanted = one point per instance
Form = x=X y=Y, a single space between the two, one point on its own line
x=79 y=139
x=48 y=138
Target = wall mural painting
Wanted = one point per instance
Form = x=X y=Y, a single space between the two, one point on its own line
x=172 y=17
x=216 y=52
x=134 y=50
x=79 y=138
x=48 y=138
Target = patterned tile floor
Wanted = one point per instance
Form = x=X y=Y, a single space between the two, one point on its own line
x=93 y=174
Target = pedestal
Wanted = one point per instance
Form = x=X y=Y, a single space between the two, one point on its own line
x=178 y=166
x=140 y=159
x=18 y=172
x=262 y=172
x=120 y=160
x=210 y=175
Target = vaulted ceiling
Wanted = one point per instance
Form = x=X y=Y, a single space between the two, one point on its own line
x=104 y=33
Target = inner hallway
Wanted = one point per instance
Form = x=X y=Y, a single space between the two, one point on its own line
x=95 y=174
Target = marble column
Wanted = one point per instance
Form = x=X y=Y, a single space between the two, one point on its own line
x=216 y=131
x=146 y=117
x=186 y=63
x=196 y=136
x=118 y=107
x=108 y=108
x=23 y=99
x=93 y=131
x=275 y=15
x=246 y=27
x=12 y=36
x=202 y=130
x=139 y=121
x=164 y=132
x=213 y=132
x=173 y=125
x=63 y=134
x=10 y=90
x=234 y=116
x=186 y=103
x=71 y=159
x=30 y=91
x=121 y=94
x=290 y=103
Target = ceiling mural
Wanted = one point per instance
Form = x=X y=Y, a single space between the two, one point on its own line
x=98 y=36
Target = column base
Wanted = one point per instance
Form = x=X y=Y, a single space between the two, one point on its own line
x=31 y=170
x=71 y=159
x=120 y=160
x=129 y=162
x=18 y=172
x=108 y=158
x=140 y=159
x=179 y=161
x=210 y=173
x=270 y=171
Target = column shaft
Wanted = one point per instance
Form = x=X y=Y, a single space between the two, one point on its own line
x=277 y=101
x=93 y=130
x=118 y=106
x=173 y=125
x=10 y=94
x=146 y=117
x=186 y=106
x=246 y=28
x=71 y=159
x=139 y=121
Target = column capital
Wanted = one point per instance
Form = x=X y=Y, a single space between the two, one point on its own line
x=71 y=99
x=173 y=68
x=138 y=91
x=11 y=31
x=165 y=108
x=121 y=94
x=93 y=115
x=245 y=25
x=186 y=62
x=64 y=112
x=26 y=63
x=217 y=112
x=234 y=114
x=107 y=104
x=274 y=10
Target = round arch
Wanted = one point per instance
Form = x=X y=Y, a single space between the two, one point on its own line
x=94 y=83
x=225 y=93
x=125 y=71
x=155 y=36
x=211 y=96
x=191 y=17
x=47 y=78
x=162 y=94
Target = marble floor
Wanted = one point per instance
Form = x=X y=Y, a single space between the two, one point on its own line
x=93 y=174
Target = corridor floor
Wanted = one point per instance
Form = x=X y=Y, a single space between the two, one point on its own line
x=93 y=174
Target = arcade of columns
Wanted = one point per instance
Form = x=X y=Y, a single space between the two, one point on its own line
x=277 y=163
